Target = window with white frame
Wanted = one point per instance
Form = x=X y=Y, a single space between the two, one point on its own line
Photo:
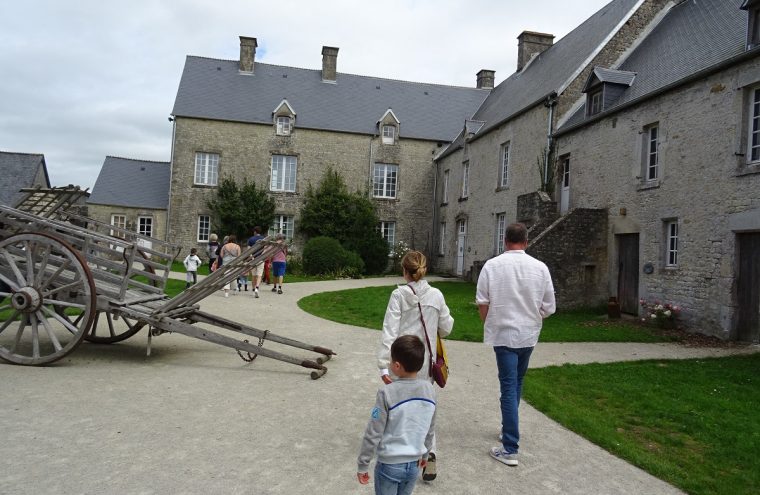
x=754 y=126
x=145 y=226
x=206 y=169
x=465 y=179
x=284 y=125
x=283 y=224
x=445 y=186
x=501 y=228
x=119 y=221
x=595 y=102
x=384 y=179
x=388 y=231
x=284 y=169
x=671 y=252
x=651 y=155
x=204 y=228
x=442 y=239
x=504 y=165
x=389 y=134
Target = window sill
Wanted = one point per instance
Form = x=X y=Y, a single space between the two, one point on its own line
x=462 y=199
x=441 y=255
x=748 y=169
x=670 y=269
x=385 y=200
x=445 y=203
x=205 y=186
x=502 y=188
x=650 y=184
x=285 y=193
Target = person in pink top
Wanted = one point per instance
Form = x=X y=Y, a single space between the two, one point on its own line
x=278 y=264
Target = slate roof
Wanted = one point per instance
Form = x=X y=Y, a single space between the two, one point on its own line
x=132 y=183
x=18 y=170
x=214 y=89
x=550 y=70
x=612 y=76
x=692 y=37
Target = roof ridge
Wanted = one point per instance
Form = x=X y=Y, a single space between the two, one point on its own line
x=22 y=153
x=349 y=74
x=137 y=159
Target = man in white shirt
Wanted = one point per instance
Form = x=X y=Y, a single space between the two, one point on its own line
x=515 y=293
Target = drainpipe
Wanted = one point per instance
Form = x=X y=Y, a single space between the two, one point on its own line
x=551 y=102
x=436 y=235
x=173 y=120
x=369 y=160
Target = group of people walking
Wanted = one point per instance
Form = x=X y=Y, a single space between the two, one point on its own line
x=514 y=294
x=229 y=249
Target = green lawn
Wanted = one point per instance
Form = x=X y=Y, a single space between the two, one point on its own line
x=366 y=308
x=693 y=423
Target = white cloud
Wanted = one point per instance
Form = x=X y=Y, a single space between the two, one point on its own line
x=82 y=80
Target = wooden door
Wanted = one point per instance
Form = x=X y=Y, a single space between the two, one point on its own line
x=628 y=273
x=748 y=288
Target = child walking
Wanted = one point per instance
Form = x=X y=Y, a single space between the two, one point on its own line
x=278 y=263
x=192 y=262
x=401 y=425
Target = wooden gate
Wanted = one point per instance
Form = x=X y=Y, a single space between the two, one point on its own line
x=748 y=288
x=628 y=273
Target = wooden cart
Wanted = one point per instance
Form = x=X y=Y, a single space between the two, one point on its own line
x=65 y=278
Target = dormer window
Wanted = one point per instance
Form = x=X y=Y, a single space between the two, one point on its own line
x=389 y=134
x=595 y=102
x=283 y=117
x=753 y=22
x=284 y=126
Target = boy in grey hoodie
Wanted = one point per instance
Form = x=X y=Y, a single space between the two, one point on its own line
x=401 y=424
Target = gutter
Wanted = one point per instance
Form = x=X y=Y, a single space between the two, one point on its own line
x=755 y=52
x=171 y=171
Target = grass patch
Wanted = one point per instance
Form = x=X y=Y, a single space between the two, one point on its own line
x=366 y=308
x=693 y=423
x=178 y=266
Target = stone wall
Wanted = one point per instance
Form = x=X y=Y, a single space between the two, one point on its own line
x=704 y=184
x=574 y=248
x=102 y=213
x=245 y=151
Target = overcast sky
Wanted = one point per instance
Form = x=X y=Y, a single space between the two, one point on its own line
x=80 y=80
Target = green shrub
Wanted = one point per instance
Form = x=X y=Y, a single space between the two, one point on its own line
x=324 y=255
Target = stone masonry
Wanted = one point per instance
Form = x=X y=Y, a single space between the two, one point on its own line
x=245 y=151
x=704 y=184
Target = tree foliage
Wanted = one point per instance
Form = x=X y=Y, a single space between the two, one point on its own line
x=331 y=210
x=237 y=208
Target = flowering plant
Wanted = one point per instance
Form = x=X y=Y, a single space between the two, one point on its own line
x=397 y=253
x=663 y=314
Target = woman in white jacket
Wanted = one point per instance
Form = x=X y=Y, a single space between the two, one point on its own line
x=402 y=317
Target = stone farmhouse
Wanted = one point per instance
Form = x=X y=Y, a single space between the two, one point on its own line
x=652 y=110
x=282 y=127
x=20 y=170
x=131 y=194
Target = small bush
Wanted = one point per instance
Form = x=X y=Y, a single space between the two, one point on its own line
x=324 y=255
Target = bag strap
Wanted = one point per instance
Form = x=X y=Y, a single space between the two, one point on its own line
x=424 y=329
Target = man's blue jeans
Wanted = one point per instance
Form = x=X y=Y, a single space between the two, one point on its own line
x=395 y=479
x=512 y=365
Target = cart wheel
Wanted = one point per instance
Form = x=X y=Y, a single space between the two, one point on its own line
x=109 y=328
x=42 y=276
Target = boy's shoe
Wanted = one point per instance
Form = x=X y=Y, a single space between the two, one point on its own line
x=279 y=291
x=428 y=472
x=246 y=288
x=274 y=289
x=503 y=456
x=256 y=293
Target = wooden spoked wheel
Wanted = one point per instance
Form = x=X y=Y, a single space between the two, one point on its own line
x=108 y=327
x=40 y=277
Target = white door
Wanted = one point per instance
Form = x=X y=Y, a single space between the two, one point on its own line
x=461 y=239
x=564 y=202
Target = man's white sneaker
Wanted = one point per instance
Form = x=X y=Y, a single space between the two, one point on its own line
x=503 y=456
x=256 y=293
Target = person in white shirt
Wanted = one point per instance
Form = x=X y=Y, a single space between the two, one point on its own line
x=192 y=262
x=402 y=317
x=515 y=293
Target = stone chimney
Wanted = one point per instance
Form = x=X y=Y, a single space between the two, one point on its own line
x=485 y=79
x=529 y=44
x=247 y=54
x=329 y=63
